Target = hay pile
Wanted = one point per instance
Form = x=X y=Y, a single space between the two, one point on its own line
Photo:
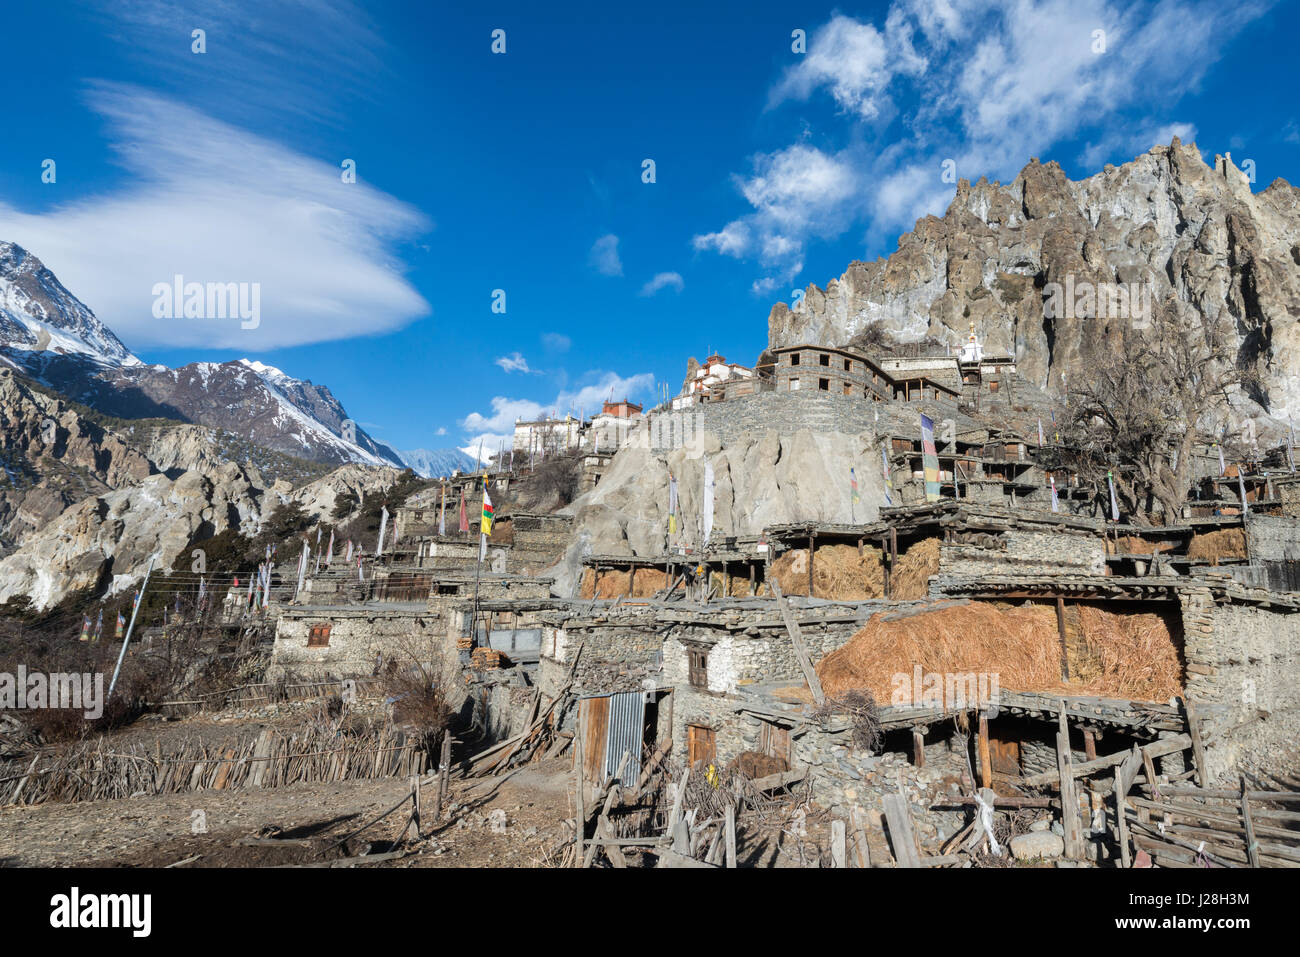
x=1133 y=545
x=1130 y=656
x=838 y=573
x=911 y=577
x=1224 y=543
x=613 y=583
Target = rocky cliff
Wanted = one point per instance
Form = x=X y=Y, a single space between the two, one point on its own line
x=1189 y=235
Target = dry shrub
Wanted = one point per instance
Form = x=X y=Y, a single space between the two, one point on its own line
x=1134 y=655
x=587 y=589
x=911 y=576
x=864 y=717
x=839 y=573
x=1224 y=543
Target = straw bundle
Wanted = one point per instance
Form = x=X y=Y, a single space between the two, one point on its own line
x=839 y=572
x=911 y=577
x=612 y=583
x=1224 y=543
x=1133 y=545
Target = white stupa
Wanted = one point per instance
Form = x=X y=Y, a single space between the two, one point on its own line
x=972 y=351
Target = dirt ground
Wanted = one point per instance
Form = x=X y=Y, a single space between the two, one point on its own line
x=156 y=830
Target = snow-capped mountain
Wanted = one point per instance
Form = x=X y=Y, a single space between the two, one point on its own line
x=48 y=334
x=38 y=314
x=431 y=463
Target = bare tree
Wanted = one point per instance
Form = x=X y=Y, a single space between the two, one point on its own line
x=1146 y=409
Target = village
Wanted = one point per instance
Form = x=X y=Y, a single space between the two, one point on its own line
x=990 y=666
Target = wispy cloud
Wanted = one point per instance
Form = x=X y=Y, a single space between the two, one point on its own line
x=215 y=203
x=663 y=280
x=514 y=362
x=963 y=89
x=604 y=256
x=556 y=342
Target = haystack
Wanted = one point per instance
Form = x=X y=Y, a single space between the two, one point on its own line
x=1224 y=543
x=613 y=583
x=839 y=573
x=911 y=577
x=1133 y=545
x=1130 y=656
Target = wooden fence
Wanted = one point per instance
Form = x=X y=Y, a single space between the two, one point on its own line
x=95 y=771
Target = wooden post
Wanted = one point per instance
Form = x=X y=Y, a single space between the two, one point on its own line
x=918 y=746
x=413 y=829
x=800 y=649
x=1252 y=849
x=884 y=554
x=752 y=587
x=860 y=839
x=631 y=579
x=1090 y=744
x=731 y=836
x=986 y=759
x=899 y=817
x=1121 y=821
x=580 y=822
x=1069 y=798
x=1060 y=629
x=444 y=772
x=838 y=856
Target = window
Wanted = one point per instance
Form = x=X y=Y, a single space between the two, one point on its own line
x=825 y=359
x=824 y=385
x=848 y=365
x=318 y=636
x=848 y=389
x=794 y=358
x=794 y=385
x=699 y=667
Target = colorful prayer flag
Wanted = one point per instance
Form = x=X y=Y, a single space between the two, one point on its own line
x=485 y=524
x=929 y=459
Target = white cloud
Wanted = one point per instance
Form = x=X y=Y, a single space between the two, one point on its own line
x=556 y=342
x=663 y=280
x=796 y=193
x=499 y=425
x=215 y=203
x=441 y=430
x=604 y=256
x=513 y=363
x=987 y=85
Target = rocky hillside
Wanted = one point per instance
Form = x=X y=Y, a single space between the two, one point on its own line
x=1197 y=235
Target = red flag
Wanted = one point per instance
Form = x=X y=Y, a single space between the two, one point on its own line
x=464 y=520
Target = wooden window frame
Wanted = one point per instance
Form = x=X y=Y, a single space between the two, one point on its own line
x=697 y=667
x=318 y=636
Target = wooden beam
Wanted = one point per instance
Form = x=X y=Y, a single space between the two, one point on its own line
x=1060 y=630
x=1069 y=799
x=800 y=649
x=899 y=817
x=1155 y=749
x=811 y=546
x=986 y=757
x=1252 y=847
x=1121 y=821
x=918 y=747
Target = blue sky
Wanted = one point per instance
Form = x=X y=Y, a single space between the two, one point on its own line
x=523 y=171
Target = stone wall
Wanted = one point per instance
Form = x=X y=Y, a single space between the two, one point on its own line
x=1025 y=552
x=358 y=637
x=1272 y=538
x=1242 y=662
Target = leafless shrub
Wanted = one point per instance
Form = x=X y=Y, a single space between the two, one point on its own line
x=859 y=707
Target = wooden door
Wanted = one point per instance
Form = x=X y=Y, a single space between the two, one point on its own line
x=700 y=746
x=594 y=715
